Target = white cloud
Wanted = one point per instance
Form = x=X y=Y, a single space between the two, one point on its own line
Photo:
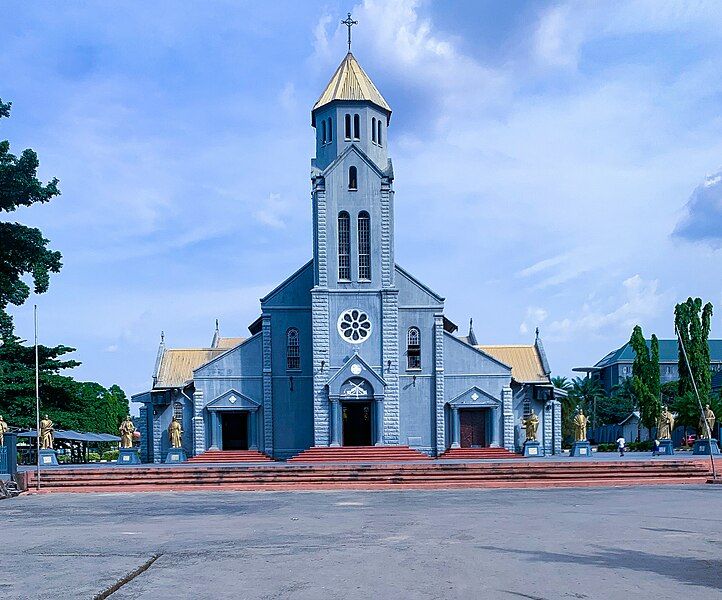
x=535 y=316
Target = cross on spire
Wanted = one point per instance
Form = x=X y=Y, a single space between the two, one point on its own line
x=349 y=22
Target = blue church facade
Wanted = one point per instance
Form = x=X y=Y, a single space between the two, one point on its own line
x=351 y=349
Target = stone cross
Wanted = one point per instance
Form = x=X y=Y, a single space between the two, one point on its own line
x=349 y=22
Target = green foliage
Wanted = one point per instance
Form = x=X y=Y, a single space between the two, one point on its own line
x=607 y=448
x=70 y=404
x=643 y=446
x=111 y=455
x=23 y=250
x=615 y=408
x=645 y=377
x=562 y=383
x=93 y=457
x=585 y=393
x=693 y=321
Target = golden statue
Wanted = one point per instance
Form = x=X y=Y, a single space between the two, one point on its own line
x=707 y=421
x=3 y=430
x=126 y=433
x=175 y=433
x=665 y=425
x=531 y=424
x=46 y=434
x=580 y=426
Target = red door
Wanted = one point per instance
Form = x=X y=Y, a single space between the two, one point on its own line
x=473 y=428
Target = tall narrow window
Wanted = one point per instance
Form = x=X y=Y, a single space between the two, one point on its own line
x=352 y=178
x=293 y=350
x=364 y=245
x=413 y=348
x=347 y=129
x=178 y=411
x=378 y=135
x=373 y=129
x=323 y=131
x=344 y=246
x=330 y=130
x=356 y=127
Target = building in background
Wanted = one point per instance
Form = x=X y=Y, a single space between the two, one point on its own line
x=617 y=365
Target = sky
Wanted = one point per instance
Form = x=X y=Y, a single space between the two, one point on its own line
x=558 y=164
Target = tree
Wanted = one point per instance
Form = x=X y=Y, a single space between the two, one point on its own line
x=692 y=322
x=616 y=407
x=645 y=377
x=23 y=250
x=562 y=383
x=70 y=404
x=585 y=393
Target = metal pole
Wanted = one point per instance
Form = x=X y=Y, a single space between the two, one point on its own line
x=699 y=402
x=37 y=398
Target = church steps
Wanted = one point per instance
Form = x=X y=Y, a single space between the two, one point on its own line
x=359 y=454
x=474 y=453
x=230 y=456
x=432 y=475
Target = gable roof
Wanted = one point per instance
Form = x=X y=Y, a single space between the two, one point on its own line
x=229 y=342
x=526 y=364
x=176 y=365
x=477 y=349
x=283 y=284
x=415 y=281
x=668 y=352
x=350 y=82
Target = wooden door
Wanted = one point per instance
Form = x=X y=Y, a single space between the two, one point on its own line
x=473 y=428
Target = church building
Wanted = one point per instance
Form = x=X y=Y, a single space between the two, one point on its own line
x=351 y=349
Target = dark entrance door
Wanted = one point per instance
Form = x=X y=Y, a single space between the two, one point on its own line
x=473 y=427
x=357 y=424
x=234 y=430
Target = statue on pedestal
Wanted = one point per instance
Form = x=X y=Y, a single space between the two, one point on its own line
x=707 y=421
x=3 y=430
x=665 y=425
x=46 y=434
x=580 y=426
x=126 y=433
x=531 y=425
x=175 y=433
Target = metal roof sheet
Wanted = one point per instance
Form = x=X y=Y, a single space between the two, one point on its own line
x=177 y=365
x=229 y=342
x=350 y=82
x=525 y=362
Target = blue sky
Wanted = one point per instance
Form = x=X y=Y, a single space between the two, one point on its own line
x=556 y=163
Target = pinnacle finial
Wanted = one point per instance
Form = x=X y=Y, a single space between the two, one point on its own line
x=217 y=326
x=162 y=337
x=536 y=334
x=349 y=22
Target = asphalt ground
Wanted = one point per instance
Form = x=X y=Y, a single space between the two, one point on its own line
x=598 y=543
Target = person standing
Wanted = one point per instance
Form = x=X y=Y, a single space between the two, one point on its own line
x=655 y=448
x=620 y=445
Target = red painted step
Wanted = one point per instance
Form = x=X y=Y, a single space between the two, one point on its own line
x=477 y=453
x=418 y=475
x=359 y=454
x=229 y=456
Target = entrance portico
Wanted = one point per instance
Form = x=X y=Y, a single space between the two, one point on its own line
x=475 y=420
x=356 y=397
x=233 y=422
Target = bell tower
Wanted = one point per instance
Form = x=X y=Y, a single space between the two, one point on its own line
x=354 y=299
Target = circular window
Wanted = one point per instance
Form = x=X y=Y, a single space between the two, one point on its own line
x=354 y=326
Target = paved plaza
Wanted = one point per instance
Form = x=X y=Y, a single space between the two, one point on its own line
x=604 y=543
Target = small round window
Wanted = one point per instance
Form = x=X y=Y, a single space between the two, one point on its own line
x=354 y=326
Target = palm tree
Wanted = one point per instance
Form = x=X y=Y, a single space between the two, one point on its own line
x=562 y=383
x=587 y=391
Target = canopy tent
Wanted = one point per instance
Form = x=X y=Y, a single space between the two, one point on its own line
x=73 y=436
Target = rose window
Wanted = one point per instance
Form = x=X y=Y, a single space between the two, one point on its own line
x=354 y=326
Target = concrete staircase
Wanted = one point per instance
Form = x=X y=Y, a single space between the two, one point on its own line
x=373 y=476
x=357 y=454
x=478 y=453
x=230 y=456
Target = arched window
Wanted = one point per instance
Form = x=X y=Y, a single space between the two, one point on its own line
x=347 y=129
x=344 y=246
x=323 y=131
x=330 y=130
x=413 y=348
x=378 y=135
x=352 y=178
x=178 y=411
x=373 y=129
x=293 y=350
x=364 y=245
x=356 y=127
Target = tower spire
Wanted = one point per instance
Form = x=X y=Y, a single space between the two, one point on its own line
x=349 y=22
